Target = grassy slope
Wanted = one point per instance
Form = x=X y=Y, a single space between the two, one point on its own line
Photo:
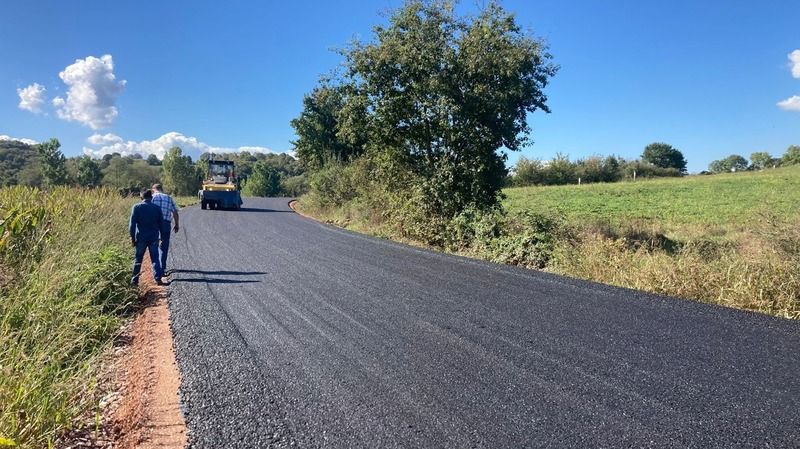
x=739 y=236
x=730 y=200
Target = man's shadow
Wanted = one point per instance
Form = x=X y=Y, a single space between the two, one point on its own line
x=202 y=279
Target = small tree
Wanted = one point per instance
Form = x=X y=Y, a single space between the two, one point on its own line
x=265 y=180
x=761 y=160
x=53 y=163
x=180 y=175
x=560 y=170
x=89 y=173
x=791 y=156
x=528 y=172
x=663 y=155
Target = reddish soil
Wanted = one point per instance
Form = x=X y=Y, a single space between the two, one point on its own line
x=148 y=414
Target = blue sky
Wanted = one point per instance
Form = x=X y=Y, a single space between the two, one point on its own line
x=705 y=76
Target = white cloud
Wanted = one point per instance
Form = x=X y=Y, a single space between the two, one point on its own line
x=23 y=140
x=32 y=98
x=92 y=94
x=192 y=146
x=790 y=104
x=104 y=139
x=794 y=58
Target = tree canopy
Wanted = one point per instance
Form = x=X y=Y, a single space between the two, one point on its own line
x=791 y=156
x=732 y=163
x=19 y=164
x=180 y=175
x=663 y=155
x=761 y=160
x=89 y=173
x=437 y=94
x=53 y=163
x=265 y=180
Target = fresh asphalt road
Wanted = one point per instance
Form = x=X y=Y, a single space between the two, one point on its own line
x=291 y=332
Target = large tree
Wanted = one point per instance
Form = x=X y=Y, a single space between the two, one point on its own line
x=53 y=163
x=443 y=95
x=180 y=175
x=663 y=155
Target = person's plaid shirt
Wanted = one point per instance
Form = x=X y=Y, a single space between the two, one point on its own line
x=166 y=204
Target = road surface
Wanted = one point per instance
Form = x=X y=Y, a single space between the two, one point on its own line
x=291 y=332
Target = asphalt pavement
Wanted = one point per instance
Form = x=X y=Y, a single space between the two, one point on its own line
x=289 y=332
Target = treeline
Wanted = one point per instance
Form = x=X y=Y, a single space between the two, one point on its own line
x=658 y=160
x=561 y=170
x=44 y=165
x=758 y=161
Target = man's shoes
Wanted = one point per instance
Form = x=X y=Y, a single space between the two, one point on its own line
x=160 y=281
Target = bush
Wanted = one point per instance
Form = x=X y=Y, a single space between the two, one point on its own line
x=333 y=186
x=294 y=186
x=528 y=240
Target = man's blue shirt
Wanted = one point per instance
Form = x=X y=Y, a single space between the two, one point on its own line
x=145 y=221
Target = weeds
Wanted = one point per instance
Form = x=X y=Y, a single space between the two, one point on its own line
x=66 y=254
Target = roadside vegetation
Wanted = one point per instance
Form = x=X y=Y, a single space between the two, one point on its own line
x=407 y=141
x=64 y=282
x=732 y=240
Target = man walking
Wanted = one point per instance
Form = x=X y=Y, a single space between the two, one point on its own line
x=144 y=227
x=169 y=213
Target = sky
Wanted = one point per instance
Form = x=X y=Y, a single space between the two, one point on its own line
x=711 y=77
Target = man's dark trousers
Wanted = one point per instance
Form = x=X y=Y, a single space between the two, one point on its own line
x=152 y=247
x=165 y=231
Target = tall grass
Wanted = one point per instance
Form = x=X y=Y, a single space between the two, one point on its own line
x=65 y=261
x=757 y=270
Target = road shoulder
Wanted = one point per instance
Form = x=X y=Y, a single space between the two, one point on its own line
x=149 y=414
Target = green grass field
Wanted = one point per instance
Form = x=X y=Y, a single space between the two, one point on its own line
x=731 y=239
x=728 y=200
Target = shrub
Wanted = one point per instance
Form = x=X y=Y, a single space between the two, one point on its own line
x=528 y=240
x=294 y=185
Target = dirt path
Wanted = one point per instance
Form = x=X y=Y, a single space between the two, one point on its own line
x=149 y=413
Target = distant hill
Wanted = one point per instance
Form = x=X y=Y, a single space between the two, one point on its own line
x=19 y=164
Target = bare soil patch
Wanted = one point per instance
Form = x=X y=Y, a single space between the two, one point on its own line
x=149 y=414
x=140 y=406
